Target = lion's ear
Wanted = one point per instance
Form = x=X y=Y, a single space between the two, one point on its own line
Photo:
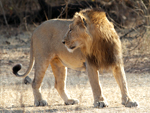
x=79 y=20
x=84 y=22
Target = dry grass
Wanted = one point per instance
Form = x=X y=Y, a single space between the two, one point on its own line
x=17 y=97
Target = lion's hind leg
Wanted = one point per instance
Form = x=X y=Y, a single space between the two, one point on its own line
x=119 y=74
x=60 y=73
x=41 y=65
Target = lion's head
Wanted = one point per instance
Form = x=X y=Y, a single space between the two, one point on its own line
x=77 y=34
x=95 y=35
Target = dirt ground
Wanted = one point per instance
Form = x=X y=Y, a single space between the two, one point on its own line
x=16 y=97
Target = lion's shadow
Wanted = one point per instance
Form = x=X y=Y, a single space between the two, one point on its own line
x=50 y=109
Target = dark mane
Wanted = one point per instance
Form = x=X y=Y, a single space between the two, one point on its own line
x=105 y=50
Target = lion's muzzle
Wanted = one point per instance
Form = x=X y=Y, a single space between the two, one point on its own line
x=63 y=41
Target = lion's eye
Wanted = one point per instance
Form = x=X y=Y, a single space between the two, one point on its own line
x=70 y=30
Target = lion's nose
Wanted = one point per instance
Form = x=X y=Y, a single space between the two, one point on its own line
x=63 y=42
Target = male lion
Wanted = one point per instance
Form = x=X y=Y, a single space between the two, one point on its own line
x=92 y=44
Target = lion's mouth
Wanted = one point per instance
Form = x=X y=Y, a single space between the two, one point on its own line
x=72 y=47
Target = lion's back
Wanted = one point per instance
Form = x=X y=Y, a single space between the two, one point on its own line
x=50 y=33
x=53 y=26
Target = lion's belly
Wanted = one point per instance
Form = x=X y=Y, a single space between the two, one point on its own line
x=73 y=60
x=79 y=67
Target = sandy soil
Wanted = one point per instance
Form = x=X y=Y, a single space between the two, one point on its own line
x=17 y=97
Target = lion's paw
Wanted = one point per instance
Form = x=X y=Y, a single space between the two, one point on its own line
x=100 y=104
x=40 y=103
x=131 y=104
x=27 y=80
x=72 y=102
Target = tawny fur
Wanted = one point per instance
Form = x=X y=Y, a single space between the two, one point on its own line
x=90 y=42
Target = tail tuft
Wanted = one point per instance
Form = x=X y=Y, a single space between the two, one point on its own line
x=16 y=68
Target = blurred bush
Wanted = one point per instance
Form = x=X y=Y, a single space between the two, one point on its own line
x=121 y=12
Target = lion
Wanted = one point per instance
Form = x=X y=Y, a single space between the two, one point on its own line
x=88 y=42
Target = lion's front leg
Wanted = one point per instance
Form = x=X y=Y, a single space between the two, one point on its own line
x=99 y=99
x=119 y=74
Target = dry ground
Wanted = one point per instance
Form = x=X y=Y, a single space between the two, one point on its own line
x=16 y=97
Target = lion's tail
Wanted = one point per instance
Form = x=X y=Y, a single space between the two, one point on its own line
x=17 y=67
